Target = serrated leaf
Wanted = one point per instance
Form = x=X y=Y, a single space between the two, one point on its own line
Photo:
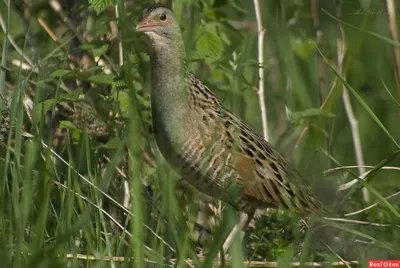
x=124 y=103
x=100 y=5
x=209 y=44
x=138 y=58
x=118 y=84
x=143 y=101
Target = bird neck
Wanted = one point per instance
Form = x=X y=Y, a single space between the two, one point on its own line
x=167 y=68
x=169 y=90
x=167 y=58
x=168 y=72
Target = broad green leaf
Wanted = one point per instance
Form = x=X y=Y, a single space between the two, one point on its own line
x=105 y=79
x=40 y=109
x=71 y=74
x=100 y=5
x=124 y=101
x=67 y=124
x=114 y=143
x=63 y=73
x=208 y=43
x=305 y=49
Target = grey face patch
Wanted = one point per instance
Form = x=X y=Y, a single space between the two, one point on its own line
x=149 y=10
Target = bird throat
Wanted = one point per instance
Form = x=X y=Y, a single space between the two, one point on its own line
x=169 y=94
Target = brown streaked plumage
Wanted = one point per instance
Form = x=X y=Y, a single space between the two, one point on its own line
x=232 y=148
x=214 y=150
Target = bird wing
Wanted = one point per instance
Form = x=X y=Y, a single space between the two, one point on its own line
x=226 y=151
x=272 y=179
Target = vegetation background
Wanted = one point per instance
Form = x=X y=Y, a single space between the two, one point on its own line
x=81 y=180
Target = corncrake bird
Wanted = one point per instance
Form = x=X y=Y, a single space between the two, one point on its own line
x=214 y=150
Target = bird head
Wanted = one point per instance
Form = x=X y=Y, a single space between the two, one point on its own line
x=159 y=23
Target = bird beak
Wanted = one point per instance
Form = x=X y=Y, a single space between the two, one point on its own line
x=145 y=26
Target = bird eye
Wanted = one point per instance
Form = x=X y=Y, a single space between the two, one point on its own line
x=163 y=17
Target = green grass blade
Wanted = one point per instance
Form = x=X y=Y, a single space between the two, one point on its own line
x=361 y=101
x=390 y=94
x=381 y=37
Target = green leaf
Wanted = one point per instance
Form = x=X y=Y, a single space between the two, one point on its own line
x=100 y=5
x=63 y=73
x=105 y=79
x=118 y=84
x=208 y=43
x=124 y=102
x=97 y=47
x=71 y=74
x=303 y=48
x=67 y=124
x=307 y=115
x=114 y=143
x=70 y=96
x=40 y=109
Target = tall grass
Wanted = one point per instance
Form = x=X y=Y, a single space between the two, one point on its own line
x=82 y=183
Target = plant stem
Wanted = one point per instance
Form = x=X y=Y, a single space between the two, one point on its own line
x=261 y=94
